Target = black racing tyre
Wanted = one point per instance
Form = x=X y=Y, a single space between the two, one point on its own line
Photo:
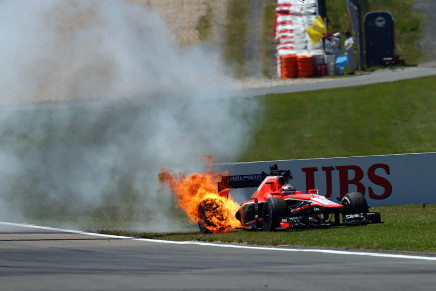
x=273 y=209
x=354 y=202
x=203 y=222
x=211 y=208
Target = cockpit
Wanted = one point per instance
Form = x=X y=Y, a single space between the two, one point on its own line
x=288 y=189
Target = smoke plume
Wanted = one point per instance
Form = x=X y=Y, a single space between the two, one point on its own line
x=96 y=98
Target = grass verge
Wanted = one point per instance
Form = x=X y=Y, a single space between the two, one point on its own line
x=410 y=228
x=389 y=118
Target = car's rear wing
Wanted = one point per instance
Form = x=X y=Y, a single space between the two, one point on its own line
x=251 y=180
x=241 y=181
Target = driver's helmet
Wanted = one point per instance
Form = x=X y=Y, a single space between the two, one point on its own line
x=288 y=188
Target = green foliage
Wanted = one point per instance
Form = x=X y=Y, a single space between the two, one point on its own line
x=388 y=118
x=337 y=17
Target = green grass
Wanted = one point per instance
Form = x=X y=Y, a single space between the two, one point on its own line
x=390 y=118
x=409 y=228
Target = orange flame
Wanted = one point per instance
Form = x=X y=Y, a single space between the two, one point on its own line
x=200 y=190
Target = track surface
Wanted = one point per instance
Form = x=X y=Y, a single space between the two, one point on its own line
x=380 y=76
x=50 y=259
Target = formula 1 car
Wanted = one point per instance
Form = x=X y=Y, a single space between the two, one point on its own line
x=276 y=205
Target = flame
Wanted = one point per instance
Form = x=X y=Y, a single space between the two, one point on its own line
x=198 y=194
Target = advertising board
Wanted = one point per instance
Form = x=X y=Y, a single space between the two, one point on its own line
x=384 y=180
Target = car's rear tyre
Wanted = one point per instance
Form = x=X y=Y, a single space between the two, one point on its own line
x=203 y=222
x=273 y=210
x=354 y=202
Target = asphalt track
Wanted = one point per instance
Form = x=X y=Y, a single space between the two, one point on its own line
x=380 y=76
x=38 y=258
x=53 y=259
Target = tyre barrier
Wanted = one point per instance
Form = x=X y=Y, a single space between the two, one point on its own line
x=288 y=66
x=305 y=66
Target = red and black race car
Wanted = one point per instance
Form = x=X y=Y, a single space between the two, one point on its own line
x=276 y=204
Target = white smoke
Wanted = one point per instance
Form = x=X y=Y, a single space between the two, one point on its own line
x=96 y=98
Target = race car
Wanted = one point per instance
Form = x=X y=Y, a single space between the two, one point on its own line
x=277 y=205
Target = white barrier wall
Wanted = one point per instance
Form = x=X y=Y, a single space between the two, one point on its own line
x=384 y=180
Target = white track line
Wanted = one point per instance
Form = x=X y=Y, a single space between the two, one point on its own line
x=336 y=252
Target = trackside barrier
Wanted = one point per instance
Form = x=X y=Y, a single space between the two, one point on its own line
x=384 y=180
x=292 y=18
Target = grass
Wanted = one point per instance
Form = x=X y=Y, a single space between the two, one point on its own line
x=410 y=228
x=388 y=118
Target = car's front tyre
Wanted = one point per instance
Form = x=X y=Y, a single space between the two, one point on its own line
x=354 y=202
x=273 y=210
